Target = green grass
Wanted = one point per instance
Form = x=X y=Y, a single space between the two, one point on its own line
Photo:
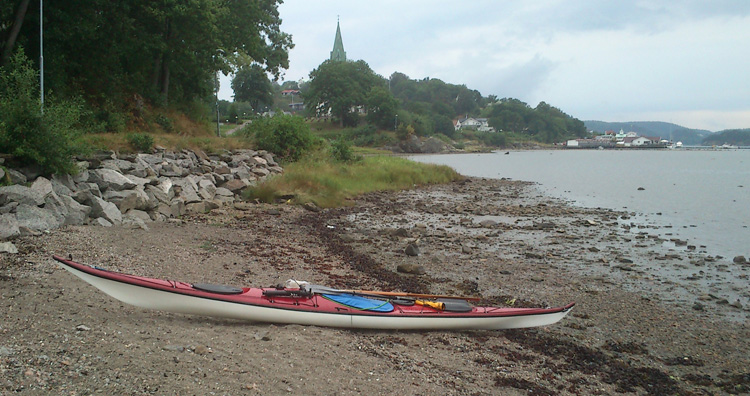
x=330 y=184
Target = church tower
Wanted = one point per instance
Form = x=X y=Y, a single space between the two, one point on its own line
x=338 y=53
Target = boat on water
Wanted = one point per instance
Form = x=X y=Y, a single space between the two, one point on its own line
x=312 y=305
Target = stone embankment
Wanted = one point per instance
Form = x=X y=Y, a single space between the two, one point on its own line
x=113 y=189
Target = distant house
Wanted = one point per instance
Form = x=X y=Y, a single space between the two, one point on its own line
x=639 y=141
x=589 y=143
x=478 y=124
x=288 y=92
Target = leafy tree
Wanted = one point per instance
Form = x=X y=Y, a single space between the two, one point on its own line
x=339 y=87
x=381 y=107
x=251 y=84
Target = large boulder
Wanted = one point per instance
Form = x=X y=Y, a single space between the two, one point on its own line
x=36 y=218
x=42 y=186
x=8 y=226
x=130 y=199
x=16 y=177
x=106 y=210
x=235 y=185
x=188 y=190
x=206 y=189
x=110 y=179
x=77 y=213
x=86 y=192
x=63 y=185
x=20 y=194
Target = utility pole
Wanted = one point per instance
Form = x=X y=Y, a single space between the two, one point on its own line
x=216 y=91
x=41 y=55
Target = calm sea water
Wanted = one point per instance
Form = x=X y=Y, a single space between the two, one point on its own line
x=697 y=195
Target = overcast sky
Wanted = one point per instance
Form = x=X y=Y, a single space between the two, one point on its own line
x=686 y=62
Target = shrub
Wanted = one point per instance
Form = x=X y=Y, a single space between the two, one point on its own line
x=286 y=136
x=341 y=151
x=165 y=122
x=140 y=141
x=48 y=139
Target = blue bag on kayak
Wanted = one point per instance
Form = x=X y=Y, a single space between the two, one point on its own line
x=361 y=303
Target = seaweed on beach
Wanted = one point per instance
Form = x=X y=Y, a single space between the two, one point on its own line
x=330 y=238
x=590 y=361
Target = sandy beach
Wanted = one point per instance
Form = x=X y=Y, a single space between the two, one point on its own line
x=648 y=320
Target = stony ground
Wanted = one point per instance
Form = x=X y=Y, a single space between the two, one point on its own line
x=647 y=321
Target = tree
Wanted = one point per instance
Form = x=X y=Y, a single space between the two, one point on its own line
x=251 y=84
x=339 y=87
x=381 y=107
x=164 y=51
x=9 y=42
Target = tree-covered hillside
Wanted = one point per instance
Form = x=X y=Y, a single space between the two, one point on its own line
x=543 y=123
x=736 y=137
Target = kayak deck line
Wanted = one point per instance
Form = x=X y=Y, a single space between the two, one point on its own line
x=315 y=309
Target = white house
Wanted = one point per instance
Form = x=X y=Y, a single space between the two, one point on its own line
x=479 y=124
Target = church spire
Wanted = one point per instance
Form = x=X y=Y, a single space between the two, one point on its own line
x=338 y=53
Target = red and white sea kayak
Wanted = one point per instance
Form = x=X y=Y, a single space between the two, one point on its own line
x=295 y=306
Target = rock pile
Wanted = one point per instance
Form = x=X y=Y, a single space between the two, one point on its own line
x=133 y=189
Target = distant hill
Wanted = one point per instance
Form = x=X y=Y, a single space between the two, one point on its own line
x=737 y=137
x=663 y=130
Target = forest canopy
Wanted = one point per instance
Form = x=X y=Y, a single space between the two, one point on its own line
x=119 y=54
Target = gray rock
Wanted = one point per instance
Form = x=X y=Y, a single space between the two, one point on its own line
x=223 y=192
x=8 y=247
x=262 y=172
x=197 y=207
x=86 y=192
x=488 y=223
x=20 y=194
x=83 y=173
x=15 y=176
x=414 y=269
x=117 y=165
x=63 y=185
x=10 y=207
x=412 y=250
x=134 y=220
x=2 y=173
x=107 y=210
x=101 y=221
x=110 y=179
x=739 y=260
x=77 y=213
x=8 y=226
x=206 y=189
x=56 y=206
x=36 y=218
x=235 y=185
x=130 y=199
x=139 y=214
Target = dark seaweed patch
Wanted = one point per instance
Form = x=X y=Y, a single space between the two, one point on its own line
x=589 y=361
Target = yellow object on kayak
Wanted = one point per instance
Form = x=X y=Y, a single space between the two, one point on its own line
x=432 y=304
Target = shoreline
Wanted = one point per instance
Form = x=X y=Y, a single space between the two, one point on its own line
x=498 y=239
